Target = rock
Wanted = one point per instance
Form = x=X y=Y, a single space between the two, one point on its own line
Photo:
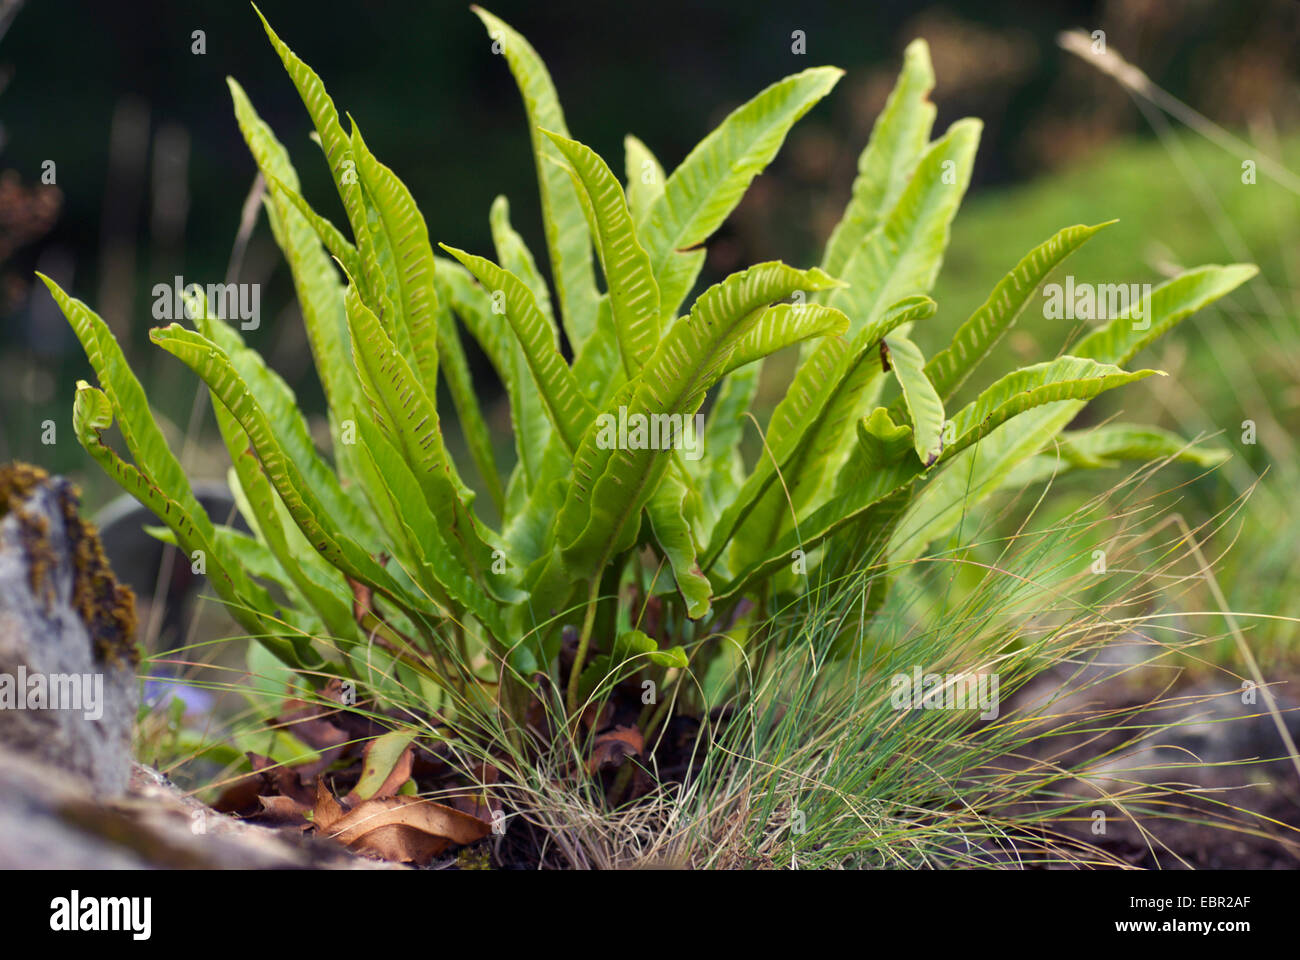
x=68 y=691
x=47 y=822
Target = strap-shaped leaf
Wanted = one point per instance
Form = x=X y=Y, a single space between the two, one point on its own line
x=708 y=184
x=805 y=436
x=834 y=515
x=672 y=531
x=143 y=438
x=210 y=362
x=902 y=256
x=948 y=369
x=280 y=406
x=247 y=601
x=473 y=305
x=339 y=246
x=783 y=326
x=400 y=220
x=924 y=406
x=568 y=408
x=898 y=139
x=316 y=282
x=611 y=485
x=320 y=586
x=423 y=532
x=1065 y=378
x=1103 y=445
x=567 y=239
x=978 y=472
x=645 y=178
x=464 y=398
x=410 y=420
x=513 y=255
x=633 y=293
x=334 y=142
x=1164 y=308
x=721 y=471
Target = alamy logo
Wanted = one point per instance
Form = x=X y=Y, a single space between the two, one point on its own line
x=945 y=691
x=228 y=301
x=55 y=691
x=73 y=913
x=1097 y=301
x=655 y=431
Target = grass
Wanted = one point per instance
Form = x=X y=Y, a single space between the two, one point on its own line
x=802 y=761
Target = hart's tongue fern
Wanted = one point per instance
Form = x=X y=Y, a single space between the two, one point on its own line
x=392 y=518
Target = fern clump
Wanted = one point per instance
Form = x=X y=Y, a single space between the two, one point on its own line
x=615 y=502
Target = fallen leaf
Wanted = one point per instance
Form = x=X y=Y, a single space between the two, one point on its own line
x=611 y=748
x=327 y=811
x=277 y=811
x=280 y=779
x=440 y=827
x=400 y=844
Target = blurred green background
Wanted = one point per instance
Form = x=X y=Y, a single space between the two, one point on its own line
x=151 y=173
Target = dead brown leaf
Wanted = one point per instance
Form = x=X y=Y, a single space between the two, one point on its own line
x=410 y=829
x=614 y=746
x=279 y=811
x=327 y=811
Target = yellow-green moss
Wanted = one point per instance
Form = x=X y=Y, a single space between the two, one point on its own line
x=106 y=607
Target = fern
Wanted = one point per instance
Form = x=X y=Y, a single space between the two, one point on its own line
x=590 y=505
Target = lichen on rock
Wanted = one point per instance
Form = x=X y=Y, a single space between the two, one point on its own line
x=106 y=607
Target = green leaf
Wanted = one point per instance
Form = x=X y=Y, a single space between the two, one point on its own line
x=972 y=342
x=247 y=601
x=567 y=238
x=979 y=471
x=609 y=485
x=705 y=188
x=335 y=143
x=832 y=516
x=806 y=437
x=568 y=408
x=316 y=282
x=903 y=254
x=633 y=293
x=897 y=141
x=513 y=255
x=464 y=398
x=1065 y=378
x=339 y=246
x=382 y=756
x=883 y=442
x=1105 y=446
x=321 y=529
x=409 y=419
x=473 y=305
x=645 y=178
x=1129 y=441
x=407 y=235
x=127 y=398
x=667 y=512
x=924 y=407
x=783 y=326
x=428 y=542
x=721 y=471
x=1163 y=309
